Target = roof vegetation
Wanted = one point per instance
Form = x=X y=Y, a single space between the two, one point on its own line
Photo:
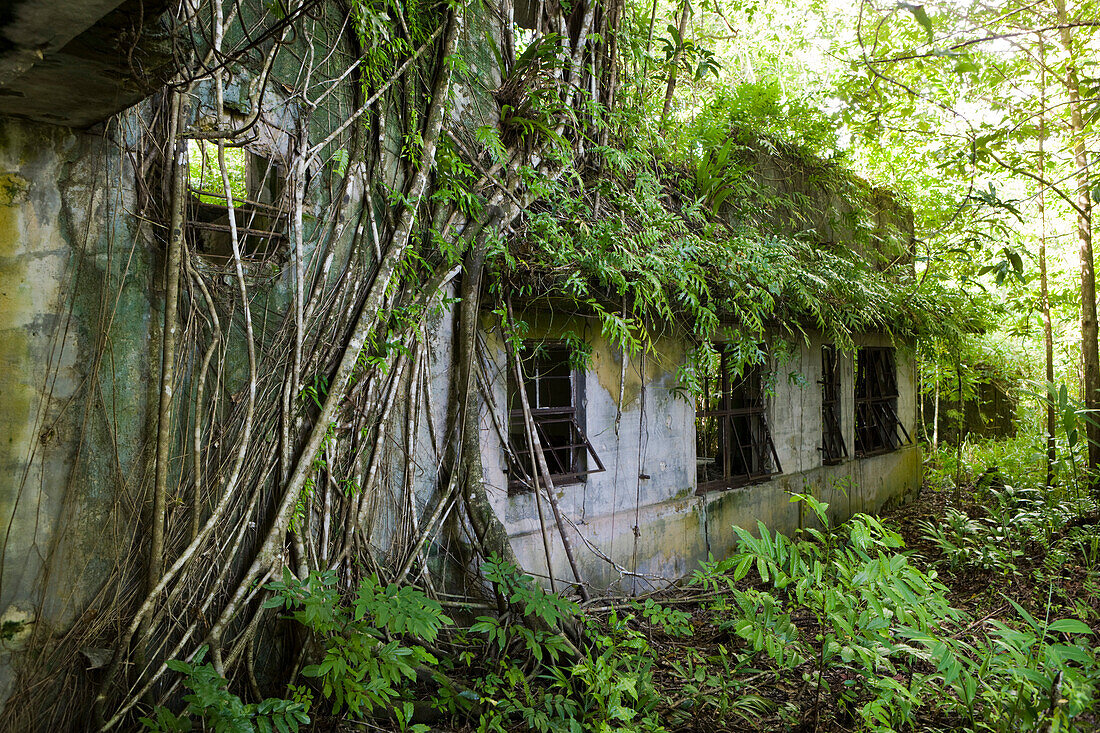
x=711 y=250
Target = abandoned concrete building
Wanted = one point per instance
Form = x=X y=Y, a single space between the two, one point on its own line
x=651 y=478
x=652 y=484
x=648 y=477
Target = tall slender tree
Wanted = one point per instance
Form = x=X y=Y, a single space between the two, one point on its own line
x=1090 y=346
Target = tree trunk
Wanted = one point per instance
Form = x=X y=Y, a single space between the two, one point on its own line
x=177 y=169
x=675 y=69
x=936 y=410
x=491 y=534
x=1044 y=289
x=960 y=422
x=1090 y=352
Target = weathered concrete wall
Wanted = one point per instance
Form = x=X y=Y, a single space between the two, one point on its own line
x=642 y=442
x=77 y=318
x=657 y=526
x=852 y=486
x=78 y=61
x=81 y=312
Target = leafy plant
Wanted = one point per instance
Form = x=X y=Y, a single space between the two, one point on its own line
x=669 y=620
x=1032 y=678
x=862 y=592
x=220 y=710
x=971 y=543
x=364 y=664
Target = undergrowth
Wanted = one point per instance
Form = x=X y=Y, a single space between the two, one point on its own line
x=979 y=617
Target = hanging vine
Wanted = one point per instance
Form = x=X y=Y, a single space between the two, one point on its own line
x=366 y=173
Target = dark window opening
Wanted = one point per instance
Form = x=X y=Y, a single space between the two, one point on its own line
x=554 y=394
x=833 y=449
x=258 y=186
x=878 y=429
x=733 y=445
x=525 y=14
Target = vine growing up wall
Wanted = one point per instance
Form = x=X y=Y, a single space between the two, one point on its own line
x=296 y=375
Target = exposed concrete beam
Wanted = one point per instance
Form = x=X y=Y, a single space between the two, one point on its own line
x=76 y=62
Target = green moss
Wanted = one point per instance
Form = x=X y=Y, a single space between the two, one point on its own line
x=13 y=189
x=10 y=629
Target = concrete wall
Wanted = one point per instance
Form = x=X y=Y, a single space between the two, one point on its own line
x=657 y=526
x=78 y=332
x=81 y=314
x=833 y=206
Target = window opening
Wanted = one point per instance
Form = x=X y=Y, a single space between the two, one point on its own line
x=733 y=444
x=553 y=390
x=525 y=14
x=876 y=393
x=833 y=449
x=257 y=184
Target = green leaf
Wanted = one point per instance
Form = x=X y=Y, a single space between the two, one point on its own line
x=1024 y=614
x=921 y=17
x=966 y=65
x=1070 y=626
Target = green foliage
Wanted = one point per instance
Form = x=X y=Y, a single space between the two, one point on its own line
x=382 y=49
x=455 y=178
x=669 y=620
x=1031 y=672
x=607 y=688
x=862 y=592
x=636 y=252
x=220 y=710
x=364 y=665
x=697 y=60
x=758 y=112
x=204 y=173
x=521 y=591
x=891 y=629
x=971 y=543
x=715 y=685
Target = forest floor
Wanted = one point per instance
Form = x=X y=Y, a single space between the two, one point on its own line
x=1044 y=588
x=1003 y=611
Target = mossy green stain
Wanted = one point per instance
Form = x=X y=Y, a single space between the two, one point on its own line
x=13 y=189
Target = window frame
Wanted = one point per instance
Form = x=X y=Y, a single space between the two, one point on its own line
x=765 y=461
x=876 y=403
x=581 y=455
x=256 y=240
x=834 y=448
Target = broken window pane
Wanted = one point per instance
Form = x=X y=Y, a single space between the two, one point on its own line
x=833 y=448
x=878 y=429
x=204 y=175
x=256 y=184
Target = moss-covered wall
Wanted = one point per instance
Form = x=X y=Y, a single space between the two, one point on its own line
x=800 y=196
x=81 y=298
x=78 y=315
